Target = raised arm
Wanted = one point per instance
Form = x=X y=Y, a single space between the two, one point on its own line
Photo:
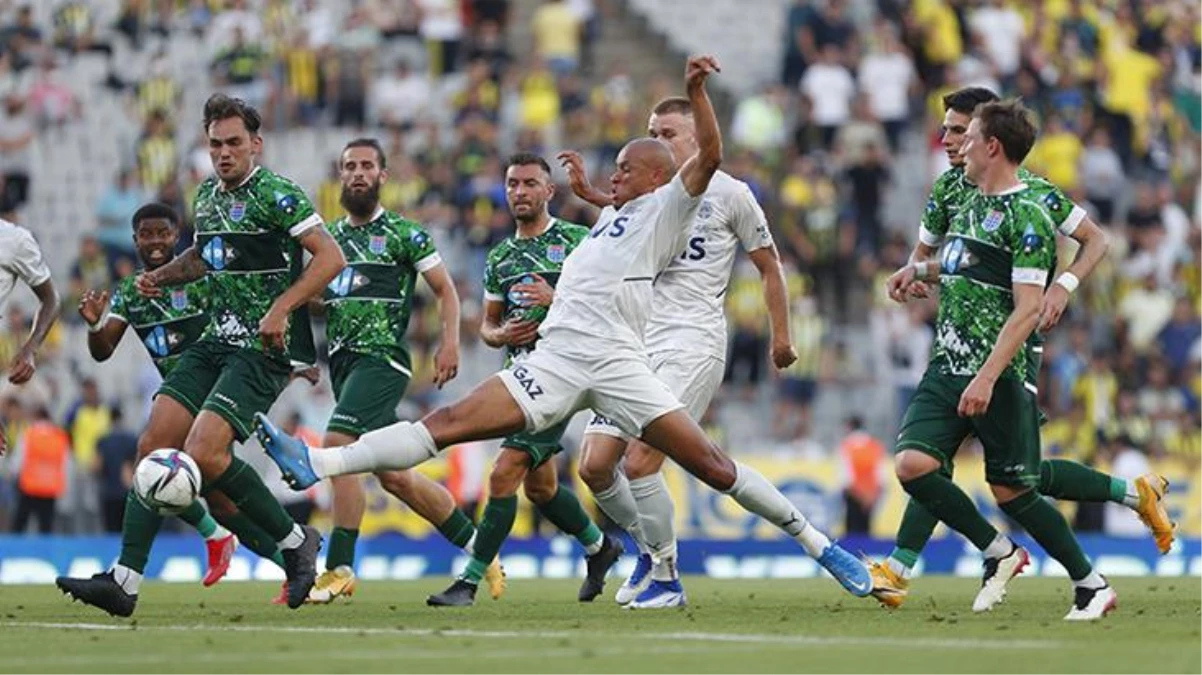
x=698 y=169
x=446 y=359
x=186 y=267
x=325 y=264
x=104 y=328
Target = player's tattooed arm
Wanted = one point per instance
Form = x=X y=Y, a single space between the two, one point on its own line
x=186 y=267
x=104 y=330
x=578 y=180
x=776 y=297
x=702 y=166
x=1094 y=244
x=446 y=358
x=326 y=262
x=50 y=304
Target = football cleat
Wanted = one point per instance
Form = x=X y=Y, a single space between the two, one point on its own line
x=101 y=591
x=598 y=566
x=1151 y=489
x=221 y=551
x=290 y=454
x=462 y=593
x=494 y=576
x=300 y=566
x=848 y=570
x=1091 y=604
x=998 y=573
x=637 y=582
x=660 y=594
x=888 y=587
x=331 y=584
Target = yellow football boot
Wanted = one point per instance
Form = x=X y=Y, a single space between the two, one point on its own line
x=331 y=584
x=1151 y=489
x=889 y=588
x=494 y=576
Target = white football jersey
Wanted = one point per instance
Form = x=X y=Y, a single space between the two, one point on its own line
x=605 y=291
x=687 y=310
x=20 y=258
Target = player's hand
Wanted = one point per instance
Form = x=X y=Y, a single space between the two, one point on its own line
x=698 y=68
x=573 y=163
x=147 y=286
x=312 y=374
x=538 y=293
x=899 y=284
x=517 y=332
x=975 y=399
x=272 y=328
x=783 y=355
x=1054 y=302
x=92 y=306
x=919 y=289
x=23 y=367
x=446 y=364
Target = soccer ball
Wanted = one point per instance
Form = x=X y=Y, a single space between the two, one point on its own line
x=167 y=481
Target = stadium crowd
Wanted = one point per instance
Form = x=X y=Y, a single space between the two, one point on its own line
x=834 y=150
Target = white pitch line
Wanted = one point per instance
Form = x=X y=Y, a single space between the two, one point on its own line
x=746 y=638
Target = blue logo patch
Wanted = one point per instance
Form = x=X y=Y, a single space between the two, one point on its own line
x=993 y=221
x=347 y=281
x=1031 y=240
x=237 y=211
x=517 y=298
x=419 y=239
x=556 y=253
x=286 y=203
x=179 y=298
x=156 y=342
x=705 y=211
x=377 y=243
x=214 y=254
x=953 y=255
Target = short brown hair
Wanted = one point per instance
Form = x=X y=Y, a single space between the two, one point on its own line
x=528 y=159
x=1011 y=123
x=222 y=107
x=675 y=104
x=372 y=143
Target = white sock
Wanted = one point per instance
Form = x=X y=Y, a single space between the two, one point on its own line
x=1091 y=580
x=1131 y=497
x=663 y=566
x=753 y=492
x=128 y=579
x=899 y=568
x=617 y=502
x=656 y=514
x=219 y=533
x=403 y=445
x=595 y=547
x=293 y=539
x=1000 y=547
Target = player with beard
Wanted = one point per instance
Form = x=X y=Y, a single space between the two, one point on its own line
x=368 y=307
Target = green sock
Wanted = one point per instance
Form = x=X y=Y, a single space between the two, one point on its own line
x=244 y=487
x=196 y=516
x=252 y=536
x=1064 y=479
x=917 y=526
x=138 y=530
x=566 y=513
x=948 y=503
x=494 y=527
x=1047 y=527
x=342 y=547
x=457 y=528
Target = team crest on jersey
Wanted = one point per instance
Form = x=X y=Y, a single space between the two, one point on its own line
x=179 y=299
x=286 y=203
x=705 y=210
x=556 y=253
x=931 y=204
x=237 y=211
x=377 y=243
x=993 y=221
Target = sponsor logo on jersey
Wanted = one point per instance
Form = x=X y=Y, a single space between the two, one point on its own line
x=377 y=243
x=216 y=255
x=517 y=297
x=419 y=238
x=179 y=299
x=955 y=256
x=286 y=203
x=1031 y=240
x=1053 y=201
x=347 y=281
x=993 y=221
x=160 y=342
x=525 y=379
x=556 y=253
x=237 y=211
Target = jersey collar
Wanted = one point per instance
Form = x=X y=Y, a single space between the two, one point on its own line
x=376 y=215
x=221 y=186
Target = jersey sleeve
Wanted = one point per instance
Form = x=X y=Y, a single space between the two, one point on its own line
x=117 y=308
x=935 y=217
x=675 y=220
x=419 y=248
x=27 y=261
x=748 y=222
x=492 y=284
x=1065 y=214
x=1032 y=242
x=294 y=211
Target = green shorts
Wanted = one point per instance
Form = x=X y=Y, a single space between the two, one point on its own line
x=1034 y=349
x=541 y=446
x=1008 y=431
x=233 y=382
x=367 y=390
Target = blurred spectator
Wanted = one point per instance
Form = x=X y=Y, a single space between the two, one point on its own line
x=117 y=205
x=935 y=30
x=1057 y=154
x=442 y=29
x=232 y=25
x=346 y=75
x=1068 y=365
x=798 y=384
x=1179 y=336
x=302 y=81
x=118 y=451
x=22 y=39
x=759 y=121
x=16 y=136
x=748 y=352
x=91 y=270
x=1001 y=28
x=1097 y=389
x=41 y=460
x=51 y=99
x=557 y=32
x=1126 y=91
x=400 y=97
x=131 y=21
x=886 y=76
x=240 y=68
x=159 y=91
x=87 y=421
x=1144 y=311
x=799 y=41
x=155 y=151
x=75 y=29
x=1162 y=402
x=539 y=98
x=833 y=28
x=829 y=88
x=910 y=339
x=1128 y=462
x=319 y=22
x=393 y=18
x=488 y=44
x=1102 y=174
x=863 y=459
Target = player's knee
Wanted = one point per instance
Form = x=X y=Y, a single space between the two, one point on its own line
x=220 y=506
x=507 y=474
x=396 y=483
x=1006 y=493
x=642 y=463
x=911 y=464
x=597 y=475
x=540 y=493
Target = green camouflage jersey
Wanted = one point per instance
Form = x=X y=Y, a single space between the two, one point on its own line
x=514 y=260
x=993 y=242
x=166 y=325
x=247 y=237
x=369 y=303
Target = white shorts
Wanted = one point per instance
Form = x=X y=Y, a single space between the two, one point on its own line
x=551 y=387
x=693 y=378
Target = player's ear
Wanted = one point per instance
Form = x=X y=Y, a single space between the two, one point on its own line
x=256 y=143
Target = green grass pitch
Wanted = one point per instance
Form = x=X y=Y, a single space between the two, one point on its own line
x=730 y=626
